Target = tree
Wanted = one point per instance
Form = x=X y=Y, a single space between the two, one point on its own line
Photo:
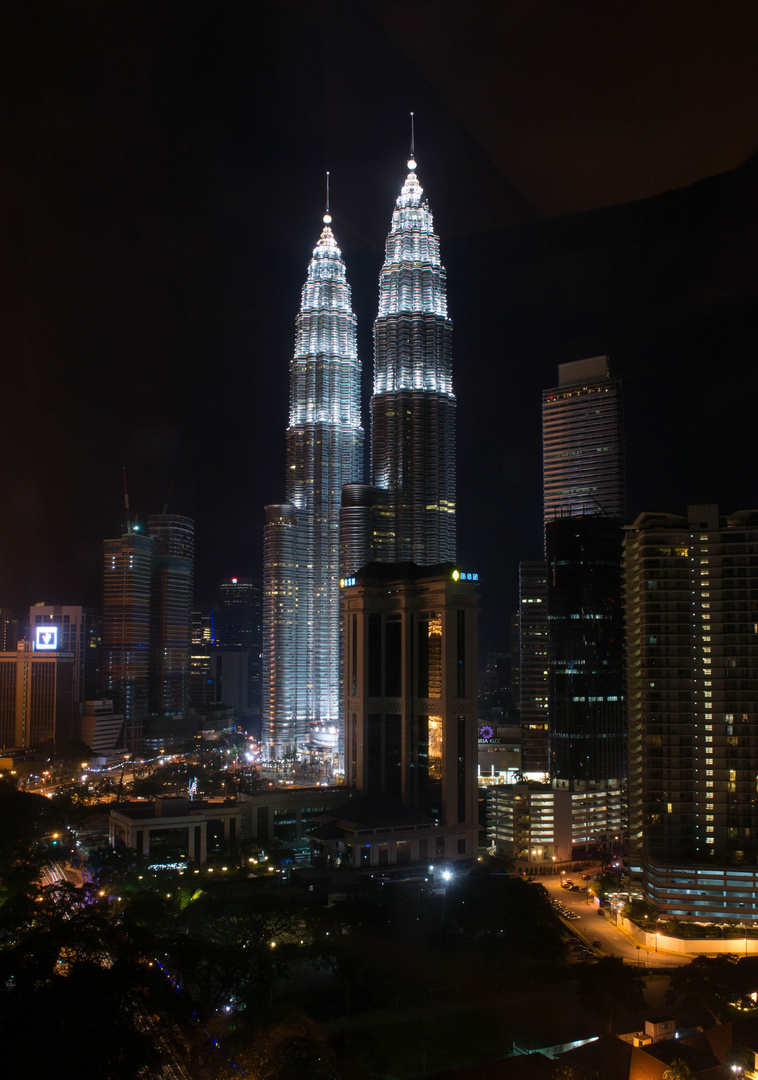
x=609 y=987
x=27 y=821
x=287 y=1045
x=678 y=1070
x=564 y=1071
x=708 y=982
x=640 y=913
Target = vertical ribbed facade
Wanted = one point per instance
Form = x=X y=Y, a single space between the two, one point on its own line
x=170 y=610
x=126 y=630
x=582 y=443
x=413 y=405
x=324 y=451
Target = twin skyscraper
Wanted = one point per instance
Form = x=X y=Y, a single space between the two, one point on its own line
x=332 y=522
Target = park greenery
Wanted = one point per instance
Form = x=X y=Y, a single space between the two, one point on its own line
x=230 y=972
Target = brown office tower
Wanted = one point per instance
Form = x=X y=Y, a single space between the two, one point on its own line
x=411 y=695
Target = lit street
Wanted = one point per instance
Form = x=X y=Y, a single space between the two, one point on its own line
x=592 y=926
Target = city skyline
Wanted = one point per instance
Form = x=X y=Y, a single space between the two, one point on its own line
x=160 y=220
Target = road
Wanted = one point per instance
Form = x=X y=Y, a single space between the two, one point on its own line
x=590 y=926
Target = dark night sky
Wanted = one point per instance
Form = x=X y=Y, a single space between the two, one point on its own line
x=162 y=165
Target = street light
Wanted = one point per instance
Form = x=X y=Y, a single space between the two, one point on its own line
x=656 y=941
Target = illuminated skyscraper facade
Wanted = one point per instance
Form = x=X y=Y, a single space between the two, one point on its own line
x=412 y=497
x=413 y=405
x=301 y=540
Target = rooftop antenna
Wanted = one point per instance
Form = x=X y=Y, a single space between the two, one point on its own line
x=412 y=161
x=126 y=501
x=327 y=215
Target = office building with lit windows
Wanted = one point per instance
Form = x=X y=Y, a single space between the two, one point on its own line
x=411 y=702
x=127 y=574
x=570 y=624
x=533 y=669
x=147 y=603
x=408 y=511
x=582 y=443
x=36 y=696
x=536 y=823
x=585 y=624
x=237 y=649
x=78 y=631
x=691 y=592
x=171 y=586
x=324 y=451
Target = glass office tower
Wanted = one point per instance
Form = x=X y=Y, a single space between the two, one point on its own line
x=324 y=451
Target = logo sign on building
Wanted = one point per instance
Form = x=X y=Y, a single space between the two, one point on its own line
x=46 y=639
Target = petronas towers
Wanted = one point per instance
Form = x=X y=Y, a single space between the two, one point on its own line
x=332 y=522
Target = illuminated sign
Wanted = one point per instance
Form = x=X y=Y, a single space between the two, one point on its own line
x=458 y=576
x=47 y=638
x=345 y=582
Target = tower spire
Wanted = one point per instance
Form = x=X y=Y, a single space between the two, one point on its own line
x=412 y=159
x=324 y=447
x=413 y=404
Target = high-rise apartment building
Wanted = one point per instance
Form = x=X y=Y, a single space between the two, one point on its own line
x=411 y=695
x=324 y=451
x=582 y=443
x=408 y=512
x=691 y=590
